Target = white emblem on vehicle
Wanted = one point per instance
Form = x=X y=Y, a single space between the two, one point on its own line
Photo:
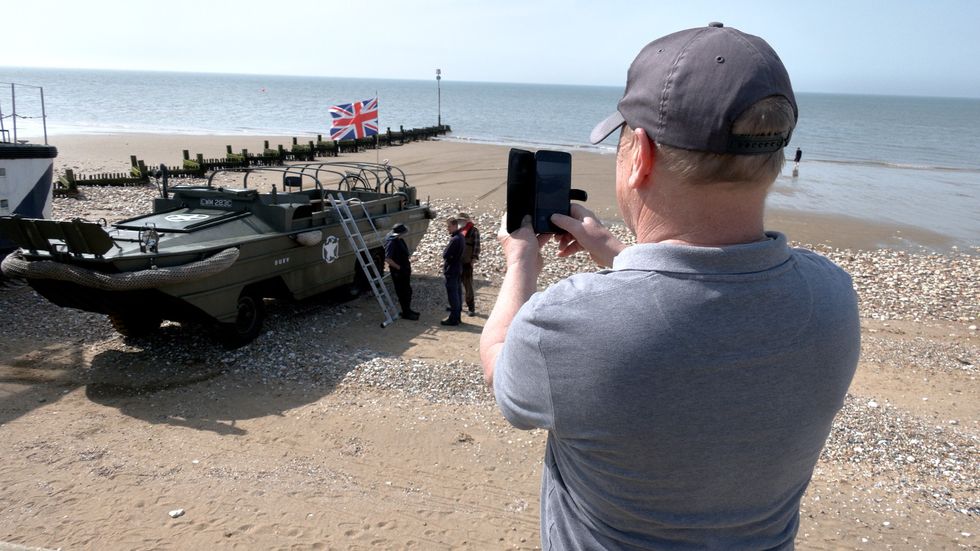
x=185 y=217
x=330 y=246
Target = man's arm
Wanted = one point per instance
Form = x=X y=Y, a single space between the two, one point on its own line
x=476 y=243
x=522 y=252
x=391 y=249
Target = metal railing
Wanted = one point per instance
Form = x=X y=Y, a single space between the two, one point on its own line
x=5 y=135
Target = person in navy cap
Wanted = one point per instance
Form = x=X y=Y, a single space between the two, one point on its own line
x=399 y=264
x=687 y=390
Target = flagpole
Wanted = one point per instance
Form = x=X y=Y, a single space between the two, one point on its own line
x=377 y=152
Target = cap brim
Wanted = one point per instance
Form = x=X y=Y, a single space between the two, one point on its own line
x=606 y=127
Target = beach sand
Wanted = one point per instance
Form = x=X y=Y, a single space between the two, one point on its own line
x=330 y=433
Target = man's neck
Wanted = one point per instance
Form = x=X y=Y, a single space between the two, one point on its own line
x=703 y=216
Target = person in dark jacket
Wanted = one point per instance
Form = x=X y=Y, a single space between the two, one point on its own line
x=471 y=253
x=400 y=266
x=452 y=268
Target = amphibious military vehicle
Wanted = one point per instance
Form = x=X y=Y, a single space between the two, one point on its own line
x=210 y=252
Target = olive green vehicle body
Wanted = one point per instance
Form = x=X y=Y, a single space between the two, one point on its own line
x=288 y=244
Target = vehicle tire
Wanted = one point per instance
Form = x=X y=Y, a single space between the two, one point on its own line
x=135 y=325
x=247 y=324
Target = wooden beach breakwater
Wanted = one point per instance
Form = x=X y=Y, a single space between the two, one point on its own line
x=197 y=167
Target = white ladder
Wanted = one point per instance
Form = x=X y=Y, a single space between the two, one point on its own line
x=356 y=240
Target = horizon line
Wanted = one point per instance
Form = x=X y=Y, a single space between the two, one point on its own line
x=225 y=73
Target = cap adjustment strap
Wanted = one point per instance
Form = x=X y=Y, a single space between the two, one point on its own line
x=743 y=144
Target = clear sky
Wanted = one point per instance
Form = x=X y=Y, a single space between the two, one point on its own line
x=926 y=47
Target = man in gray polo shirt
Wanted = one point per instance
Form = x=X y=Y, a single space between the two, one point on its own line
x=687 y=392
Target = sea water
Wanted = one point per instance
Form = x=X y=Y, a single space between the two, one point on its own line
x=905 y=160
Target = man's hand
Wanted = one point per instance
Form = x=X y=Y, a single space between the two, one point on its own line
x=522 y=249
x=586 y=233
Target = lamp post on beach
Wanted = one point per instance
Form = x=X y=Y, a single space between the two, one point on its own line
x=439 y=95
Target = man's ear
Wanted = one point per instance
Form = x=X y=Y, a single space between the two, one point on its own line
x=643 y=157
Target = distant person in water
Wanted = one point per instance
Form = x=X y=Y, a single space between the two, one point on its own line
x=796 y=159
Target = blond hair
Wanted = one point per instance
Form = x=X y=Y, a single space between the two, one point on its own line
x=772 y=115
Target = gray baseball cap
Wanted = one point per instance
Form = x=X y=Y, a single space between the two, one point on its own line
x=687 y=88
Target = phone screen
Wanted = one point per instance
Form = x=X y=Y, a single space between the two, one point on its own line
x=554 y=178
x=520 y=187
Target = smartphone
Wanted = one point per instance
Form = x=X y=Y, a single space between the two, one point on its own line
x=553 y=182
x=520 y=187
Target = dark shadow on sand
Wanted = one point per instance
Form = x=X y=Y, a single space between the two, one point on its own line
x=182 y=376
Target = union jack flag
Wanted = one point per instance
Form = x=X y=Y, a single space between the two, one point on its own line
x=354 y=120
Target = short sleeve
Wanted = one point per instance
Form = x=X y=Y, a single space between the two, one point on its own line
x=521 y=382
